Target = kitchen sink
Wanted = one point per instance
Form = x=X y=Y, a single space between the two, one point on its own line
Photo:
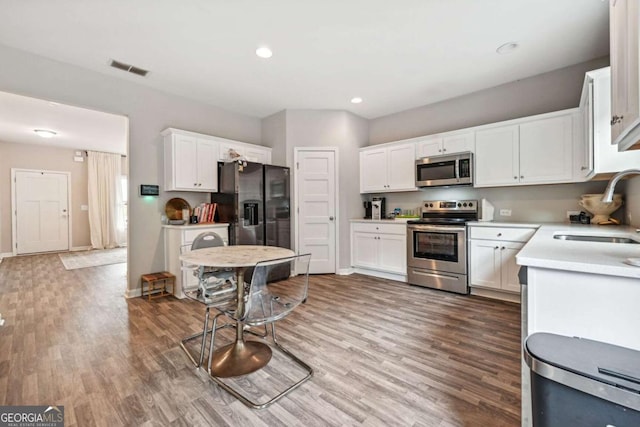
x=603 y=239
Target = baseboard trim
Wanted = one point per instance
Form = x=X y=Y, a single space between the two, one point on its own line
x=79 y=248
x=6 y=255
x=344 y=271
x=381 y=274
x=133 y=293
x=489 y=293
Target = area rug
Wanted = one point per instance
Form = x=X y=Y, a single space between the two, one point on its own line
x=93 y=258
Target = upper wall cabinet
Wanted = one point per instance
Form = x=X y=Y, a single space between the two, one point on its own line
x=625 y=77
x=189 y=162
x=388 y=168
x=533 y=151
x=253 y=153
x=596 y=156
x=453 y=143
x=190 y=159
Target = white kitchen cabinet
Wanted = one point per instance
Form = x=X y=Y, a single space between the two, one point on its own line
x=253 y=153
x=189 y=162
x=536 y=150
x=492 y=260
x=379 y=247
x=595 y=154
x=177 y=236
x=453 y=143
x=624 y=16
x=388 y=168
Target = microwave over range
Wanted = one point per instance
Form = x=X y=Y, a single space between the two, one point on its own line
x=439 y=171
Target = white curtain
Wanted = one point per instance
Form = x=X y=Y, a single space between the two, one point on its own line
x=104 y=199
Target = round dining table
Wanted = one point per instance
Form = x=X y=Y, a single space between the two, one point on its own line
x=240 y=357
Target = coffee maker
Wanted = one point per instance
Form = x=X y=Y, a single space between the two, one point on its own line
x=367 y=210
x=378 y=208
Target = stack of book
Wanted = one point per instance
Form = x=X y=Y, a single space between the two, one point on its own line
x=206 y=212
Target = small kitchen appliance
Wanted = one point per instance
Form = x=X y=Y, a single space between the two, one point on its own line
x=382 y=210
x=437 y=245
x=367 y=210
x=486 y=211
x=376 y=209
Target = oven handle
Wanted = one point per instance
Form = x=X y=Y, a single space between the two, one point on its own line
x=435 y=228
x=457 y=168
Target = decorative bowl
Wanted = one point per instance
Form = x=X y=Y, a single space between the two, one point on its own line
x=601 y=211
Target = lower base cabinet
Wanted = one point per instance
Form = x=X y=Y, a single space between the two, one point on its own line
x=177 y=236
x=379 y=247
x=492 y=260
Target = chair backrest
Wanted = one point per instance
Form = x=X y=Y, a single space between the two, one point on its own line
x=272 y=297
x=208 y=239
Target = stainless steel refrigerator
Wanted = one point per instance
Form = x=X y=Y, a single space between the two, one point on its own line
x=254 y=199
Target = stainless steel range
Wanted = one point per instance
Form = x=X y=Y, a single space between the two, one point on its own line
x=437 y=245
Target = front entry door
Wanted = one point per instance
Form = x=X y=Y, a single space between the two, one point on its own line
x=41 y=211
x=316 y=196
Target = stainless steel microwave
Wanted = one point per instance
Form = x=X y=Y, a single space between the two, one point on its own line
x=438 y=171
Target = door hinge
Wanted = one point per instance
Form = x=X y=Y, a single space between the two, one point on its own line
x=297 y=165
x=298 y=210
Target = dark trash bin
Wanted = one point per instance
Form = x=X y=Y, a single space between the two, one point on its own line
x=580 y=382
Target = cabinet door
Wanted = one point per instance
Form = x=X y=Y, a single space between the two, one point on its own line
x=207 y=166
x=400 y=167
x=373 y=170
x=393 y=253
x=497 y=157
x=459 y=143
x=584 y=143
x=257 y=155
x=428 y=147
x=185 y=155
x=484 y=263
x=546 y=150
x=364 y=252
x=624 y=65
x=509 y=268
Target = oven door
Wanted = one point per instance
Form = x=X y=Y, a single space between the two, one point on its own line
x=437 y=247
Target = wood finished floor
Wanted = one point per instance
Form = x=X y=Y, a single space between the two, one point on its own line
x=384 y=354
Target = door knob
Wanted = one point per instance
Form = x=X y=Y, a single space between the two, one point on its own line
x=330 y=218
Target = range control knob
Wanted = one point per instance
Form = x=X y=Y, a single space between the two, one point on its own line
x=459 y=204
x=430 y=205
x=464 y=204
x=470 y=204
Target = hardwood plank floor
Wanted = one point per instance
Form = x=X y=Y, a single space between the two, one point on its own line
x=384 y=354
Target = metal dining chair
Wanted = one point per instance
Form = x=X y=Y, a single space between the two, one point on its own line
x=216 y=289
x=271 y=298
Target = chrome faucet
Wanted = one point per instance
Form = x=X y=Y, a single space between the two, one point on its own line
x=607 y=197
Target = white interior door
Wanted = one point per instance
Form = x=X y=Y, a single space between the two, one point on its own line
x=41 y=211
x=316 y=199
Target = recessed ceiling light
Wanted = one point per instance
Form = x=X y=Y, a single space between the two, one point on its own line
x=264 y=52
x=507 y=48
x=356 y=100
x=45 y=133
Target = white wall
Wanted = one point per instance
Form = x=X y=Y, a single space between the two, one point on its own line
x=326 y=128
x=552 y=91
x=149 y=111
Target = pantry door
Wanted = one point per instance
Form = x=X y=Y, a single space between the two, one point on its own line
x=317 y=211
x=40 y=211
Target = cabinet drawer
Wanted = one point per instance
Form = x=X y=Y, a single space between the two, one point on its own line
x=188 y=236
x=507 y=234
x=379 y=228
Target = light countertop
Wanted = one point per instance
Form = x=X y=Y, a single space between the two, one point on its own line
x=502 y=224
x=383 y=221
x=204 y=225
x=588 y=257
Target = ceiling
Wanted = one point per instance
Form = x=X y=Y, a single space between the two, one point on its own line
x=395 y=55
x=76 y=128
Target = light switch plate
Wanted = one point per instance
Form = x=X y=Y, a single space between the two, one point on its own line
x=84 y=207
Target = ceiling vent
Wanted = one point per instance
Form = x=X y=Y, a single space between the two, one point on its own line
x=129 y=68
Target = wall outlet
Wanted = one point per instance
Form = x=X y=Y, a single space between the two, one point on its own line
x=505 y=212
x=84 y=207
x=569 y=213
